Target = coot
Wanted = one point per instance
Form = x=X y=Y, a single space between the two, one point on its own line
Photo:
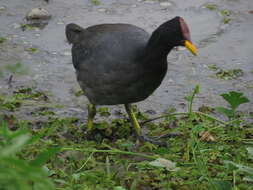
x=122 y=63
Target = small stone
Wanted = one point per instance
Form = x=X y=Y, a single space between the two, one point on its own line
x=37 y=35
x=134 y=5
x=149 y=2
x=165 y=4
x=170 y=80
x=10 y=14
x=60 y=22
x=38 y=14
x=36 y=29
x=101 y=10
x=151 y=112
x=2 y=8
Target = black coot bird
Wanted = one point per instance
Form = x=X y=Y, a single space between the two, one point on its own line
x=122 y=63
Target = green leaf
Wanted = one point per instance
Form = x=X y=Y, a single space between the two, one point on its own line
x=119 y=188
x=248 y=178
x=250 y=152
x=164 y=163
x=227 y=112
x=196 y=89
x=242 y=168
x=16 y=145
x=44 y=156
x=2 y=40
x=235 y=99
x=222 y=185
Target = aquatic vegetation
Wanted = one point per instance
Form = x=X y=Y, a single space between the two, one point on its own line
x=95 y=2
x=17 y=68
x=2 y=40
x=211 y=7
x=229 y=74
x=28 y=27
x=200 y=155
x=31 y=49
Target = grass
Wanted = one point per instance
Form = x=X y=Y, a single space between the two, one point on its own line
x=208 y=153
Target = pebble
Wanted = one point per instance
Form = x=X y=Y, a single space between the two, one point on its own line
x=165 y=4
x=152 y=112
x=36 y=29
x=134 y=6
x=38 y=13
x=2 y=8
x=60 y=22
x=170 y=80
x=37 y=35
x=101 y=10
x=149 y=2
x=10 y=14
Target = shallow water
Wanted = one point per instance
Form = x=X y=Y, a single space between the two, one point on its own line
x=226 y=45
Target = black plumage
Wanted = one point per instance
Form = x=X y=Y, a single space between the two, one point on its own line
x=122 y=63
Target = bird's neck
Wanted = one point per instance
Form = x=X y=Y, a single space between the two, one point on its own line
x=155 y=55
x=157 y=48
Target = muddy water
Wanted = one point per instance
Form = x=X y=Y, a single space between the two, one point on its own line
x=228 y=46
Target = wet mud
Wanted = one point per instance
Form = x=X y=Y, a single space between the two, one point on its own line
x=222 y=33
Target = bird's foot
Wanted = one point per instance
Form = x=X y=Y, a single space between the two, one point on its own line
x=154 y=141
x=157 y=139
x=168 y=135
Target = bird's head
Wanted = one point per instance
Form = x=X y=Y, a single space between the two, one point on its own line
x=186 y=37
x=175 y=32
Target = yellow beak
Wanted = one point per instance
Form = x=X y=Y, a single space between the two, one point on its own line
x=190 y=47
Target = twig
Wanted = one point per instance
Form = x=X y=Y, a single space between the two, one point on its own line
x=10 y=81
x=166 y=115
x=113 y=151
x=88 y=159
x=186 y=113
x=210 y=117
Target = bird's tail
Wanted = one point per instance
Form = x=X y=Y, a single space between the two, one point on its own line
x=73 y=32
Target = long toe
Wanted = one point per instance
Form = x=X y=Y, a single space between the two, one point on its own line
x=144 y=138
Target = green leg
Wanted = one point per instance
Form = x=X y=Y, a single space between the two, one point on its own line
x=91 y=115
x=133 y=119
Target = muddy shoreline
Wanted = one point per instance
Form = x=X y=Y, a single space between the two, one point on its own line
x=49 y=68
